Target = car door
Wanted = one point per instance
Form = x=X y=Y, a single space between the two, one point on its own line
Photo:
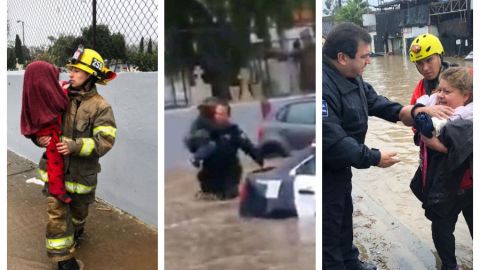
x=305 y=185
x=298 y=124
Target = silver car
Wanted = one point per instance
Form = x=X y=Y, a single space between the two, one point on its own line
x=288 y=124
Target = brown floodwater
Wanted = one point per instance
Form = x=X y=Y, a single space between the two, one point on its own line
x=210 y=235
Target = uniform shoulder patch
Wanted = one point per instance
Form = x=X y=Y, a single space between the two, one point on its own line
x=324 y=108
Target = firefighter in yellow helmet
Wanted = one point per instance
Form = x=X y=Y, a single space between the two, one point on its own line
x=426 y=52
x=88 y=133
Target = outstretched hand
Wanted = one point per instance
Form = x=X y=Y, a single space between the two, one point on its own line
x=387 y=159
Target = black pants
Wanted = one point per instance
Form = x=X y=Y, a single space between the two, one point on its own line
x=222 y=182
x=339 y=252
x=444 y=226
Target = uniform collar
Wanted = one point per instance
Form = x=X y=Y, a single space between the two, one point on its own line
x=344 y=85
x=79 y=95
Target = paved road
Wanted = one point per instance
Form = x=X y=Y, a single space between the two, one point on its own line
x=177 y=123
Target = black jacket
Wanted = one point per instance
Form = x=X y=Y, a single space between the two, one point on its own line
x=346 y=105
x=199 y=133
x=229 y=139
x=445 y=171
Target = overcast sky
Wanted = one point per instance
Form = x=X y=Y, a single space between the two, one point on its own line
x=45 y=18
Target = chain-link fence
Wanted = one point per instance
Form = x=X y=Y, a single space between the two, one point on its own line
x=42 y=24
x=281 y=66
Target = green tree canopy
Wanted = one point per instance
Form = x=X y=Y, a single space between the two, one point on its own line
x=216 y=34
x=118 y=47
x=352 y=12
x=109 y=46
x=149 y=47
x=11 y=61
x=141 y=46
x=63 y=48
x=19 y=50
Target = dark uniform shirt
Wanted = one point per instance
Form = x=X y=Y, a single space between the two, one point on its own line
x=229 y=140
x=346 y=105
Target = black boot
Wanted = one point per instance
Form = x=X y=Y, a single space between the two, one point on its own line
x=70 y=264
x=77 y=237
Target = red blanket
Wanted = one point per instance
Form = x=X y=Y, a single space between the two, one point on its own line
x=43 y=103
x=43 y=99
x=56 y=184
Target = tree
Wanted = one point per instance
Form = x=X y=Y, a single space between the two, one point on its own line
x=149 y=47
x=144 y=61
x=141 y=46
x=118 y=47
x=63 y=48
x=352 y=12
x=330 y=6
x=216 y=35
x=11 y=59
x=19 y=50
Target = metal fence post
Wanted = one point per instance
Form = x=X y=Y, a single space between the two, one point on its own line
x=94 y=22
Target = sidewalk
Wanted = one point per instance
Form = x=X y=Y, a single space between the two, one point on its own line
x=113 y=240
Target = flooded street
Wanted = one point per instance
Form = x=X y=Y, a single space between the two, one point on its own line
x=387 y=190
x=210 y=235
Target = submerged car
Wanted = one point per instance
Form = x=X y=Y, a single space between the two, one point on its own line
x=288 y=125
x=287 y=190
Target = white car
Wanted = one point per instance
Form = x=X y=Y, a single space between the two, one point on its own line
x=287 y=190
x=469 y=57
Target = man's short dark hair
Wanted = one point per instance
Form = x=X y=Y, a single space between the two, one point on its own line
x=345 y=38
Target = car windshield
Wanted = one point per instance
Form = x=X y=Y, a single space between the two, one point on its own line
x=307 y=168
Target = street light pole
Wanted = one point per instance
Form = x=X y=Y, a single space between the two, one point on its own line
x=23 y=31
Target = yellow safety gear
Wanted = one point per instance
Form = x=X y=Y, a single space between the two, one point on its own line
x=78 y=188
x=91 y=62
x=60 y=243
x=424 y=46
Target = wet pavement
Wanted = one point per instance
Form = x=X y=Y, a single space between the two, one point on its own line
x=210 y=235
x=113 y=240
x=390 y=226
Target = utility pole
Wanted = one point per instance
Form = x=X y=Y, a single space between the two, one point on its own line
x=23 y=31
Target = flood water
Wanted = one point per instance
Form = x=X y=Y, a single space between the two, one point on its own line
x=210 y=235
x=395 y=77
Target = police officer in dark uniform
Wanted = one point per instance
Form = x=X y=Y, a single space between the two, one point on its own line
x=347 y=101
x=198 y=138
x=221 y=170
